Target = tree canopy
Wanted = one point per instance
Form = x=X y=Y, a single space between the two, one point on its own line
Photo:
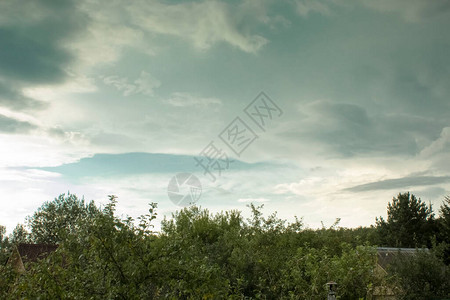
x=410 y=222
x=200 y=255
x=63 y=215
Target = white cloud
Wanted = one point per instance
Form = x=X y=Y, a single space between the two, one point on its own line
x=145 y=84
x=305 y=7
x=39 y=150
x=253 y=200
x=440 y=144
x=76 y=83
x=106 y=35
x=19 y=116
x=186 y=99
x=115 y=26
x=203 y=23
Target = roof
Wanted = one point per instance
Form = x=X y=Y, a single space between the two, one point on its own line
x=386 y=254
x=33 y=252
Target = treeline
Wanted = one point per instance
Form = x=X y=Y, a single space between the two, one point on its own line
x=199 y=255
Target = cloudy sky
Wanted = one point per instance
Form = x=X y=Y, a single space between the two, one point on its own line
x=116 y=97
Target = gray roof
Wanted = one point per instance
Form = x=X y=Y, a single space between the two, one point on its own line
x=387 y=254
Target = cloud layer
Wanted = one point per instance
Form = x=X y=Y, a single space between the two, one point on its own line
x=93 y=88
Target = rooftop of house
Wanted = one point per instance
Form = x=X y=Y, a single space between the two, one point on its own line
x=33 y=252
x=387 y=254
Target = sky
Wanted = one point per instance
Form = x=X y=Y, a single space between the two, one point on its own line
x=320 y=109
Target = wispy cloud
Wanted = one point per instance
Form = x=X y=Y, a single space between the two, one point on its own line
x=400 y=183
x=203 y=23
x=186 y=99
x=144 y=84
x=305 y=7
x=10 y=125
x=253 y=200
x=440 y=144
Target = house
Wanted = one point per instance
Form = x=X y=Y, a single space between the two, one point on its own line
x=25 y=253
x=385 y=256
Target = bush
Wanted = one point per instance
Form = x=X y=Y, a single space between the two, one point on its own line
x=421 y=276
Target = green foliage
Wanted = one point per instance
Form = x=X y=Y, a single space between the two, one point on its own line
x=421 y=276
x=4 y=245
x=444 y=229
x=445 y=217
x=196 y=255
x=311 y=268
x=199 y=255
x=19 y=235
x=104 y=258
x=259 y=258
x=58 y=217
x=410 y=223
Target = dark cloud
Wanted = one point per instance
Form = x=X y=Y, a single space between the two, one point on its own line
x=29 y=58
x=8 y=125
x=400 y=183
x=350 y=130
x=346 y=114
x=32 y=52
x=111 y=165
x=13 y=98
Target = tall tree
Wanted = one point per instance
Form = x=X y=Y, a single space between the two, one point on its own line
x=445 y=219
x=19 y=235
x=444 y=229
x=4 y=245
x=2 y=234
x=410 y=222
x=62 y=215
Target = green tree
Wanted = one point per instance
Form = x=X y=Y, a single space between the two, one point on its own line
x=311 y=268
x=197 y=255
x=58 y=217
x=445 y=219
x=19 y=235
x=410 y=223
x=421 y=276
x=444 y=229
x=4 y=245
x=105 y=258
